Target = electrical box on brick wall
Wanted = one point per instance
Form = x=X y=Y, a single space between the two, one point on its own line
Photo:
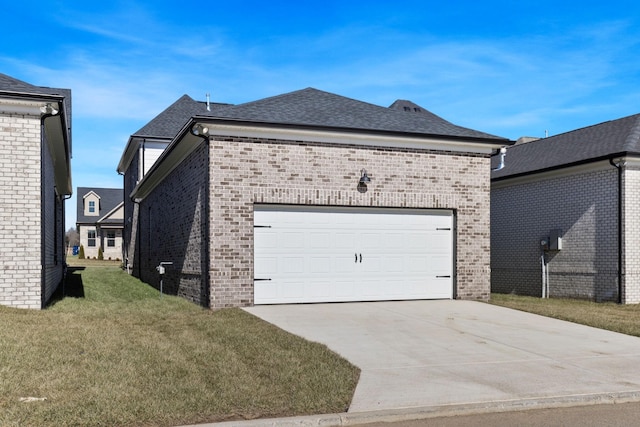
x=555 y=240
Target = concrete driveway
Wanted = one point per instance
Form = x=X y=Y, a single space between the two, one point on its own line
x=432 y=353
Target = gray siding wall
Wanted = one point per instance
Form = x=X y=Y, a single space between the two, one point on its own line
x=20 y=211
x=172 y=229
x=584 y=206
x=248 y=171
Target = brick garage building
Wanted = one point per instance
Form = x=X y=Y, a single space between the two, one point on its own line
x=35 y=138
x=581 y=187
x=311 y=197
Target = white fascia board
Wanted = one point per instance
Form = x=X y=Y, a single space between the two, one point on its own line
x=186 y=142
x=352 y=138
x=23 y=107
x=175 y=153
x=628 y=161
x=57 y=139
x=601 y=165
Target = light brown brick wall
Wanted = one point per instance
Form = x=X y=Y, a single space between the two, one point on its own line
x=244 y=172
x=631 y=233
x=20 y=212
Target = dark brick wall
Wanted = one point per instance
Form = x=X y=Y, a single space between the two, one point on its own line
x=172 y=229
x=584 y=206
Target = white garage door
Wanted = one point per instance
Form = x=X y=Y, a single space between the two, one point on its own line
x=307 y=254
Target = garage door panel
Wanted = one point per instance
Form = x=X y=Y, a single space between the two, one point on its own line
x=318 y=290
x=344 y=264
x=393 y=265
x=319 y=241
x=344 y=240
x=370 y=239
x=291 y=264
x=266 y=265
x=320 y=265
x=317 y=251
x=292 y=240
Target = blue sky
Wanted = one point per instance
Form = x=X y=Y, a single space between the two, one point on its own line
x=510 y=68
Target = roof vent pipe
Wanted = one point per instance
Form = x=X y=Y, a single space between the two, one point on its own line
x=503 y=152
x=208 y=105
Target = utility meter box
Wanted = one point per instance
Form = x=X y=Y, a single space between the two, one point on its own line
x=555 y=240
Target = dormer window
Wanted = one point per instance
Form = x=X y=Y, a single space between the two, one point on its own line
x=91 y=204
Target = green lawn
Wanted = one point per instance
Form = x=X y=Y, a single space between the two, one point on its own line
x=118 y=354
x=614 y=317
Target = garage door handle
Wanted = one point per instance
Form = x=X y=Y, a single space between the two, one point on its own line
x=360 y=258
x=357 y=258
x=443 y=277
x=260 y=280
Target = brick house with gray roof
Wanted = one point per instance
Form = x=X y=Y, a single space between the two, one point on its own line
x=578 y=190
x=309 y=197
x=35 y=140
x=100 y=221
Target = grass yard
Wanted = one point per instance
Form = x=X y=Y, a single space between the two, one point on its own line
x=118 y=354
x=614 y=317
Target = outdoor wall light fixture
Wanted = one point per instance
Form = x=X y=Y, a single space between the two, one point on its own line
x=200 y=130
x=49 y=109
x=364 y=178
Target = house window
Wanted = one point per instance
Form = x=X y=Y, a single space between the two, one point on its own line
x=92 y=206
x=91 y=241
x=111 y=239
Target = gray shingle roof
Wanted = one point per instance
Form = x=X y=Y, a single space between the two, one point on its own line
x=172 y=119
x=10 y=85
x=109 y=199
x=592 y=143
x=312 y=107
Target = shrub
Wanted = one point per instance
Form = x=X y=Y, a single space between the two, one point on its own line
x=81 y=252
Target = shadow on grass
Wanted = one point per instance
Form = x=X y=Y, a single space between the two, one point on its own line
x=71 y=286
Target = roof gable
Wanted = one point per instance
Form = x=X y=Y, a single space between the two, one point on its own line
x=313 y=107
x=592 y=143
x=90 y=193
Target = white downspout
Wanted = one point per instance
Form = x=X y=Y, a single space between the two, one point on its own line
x=544 y=276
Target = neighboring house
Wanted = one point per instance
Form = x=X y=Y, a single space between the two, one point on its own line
x=565 y=215
x=310 y=197
x=35 y=138
x=100 y=221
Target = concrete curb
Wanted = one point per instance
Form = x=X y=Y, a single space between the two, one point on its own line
x=419 y=413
